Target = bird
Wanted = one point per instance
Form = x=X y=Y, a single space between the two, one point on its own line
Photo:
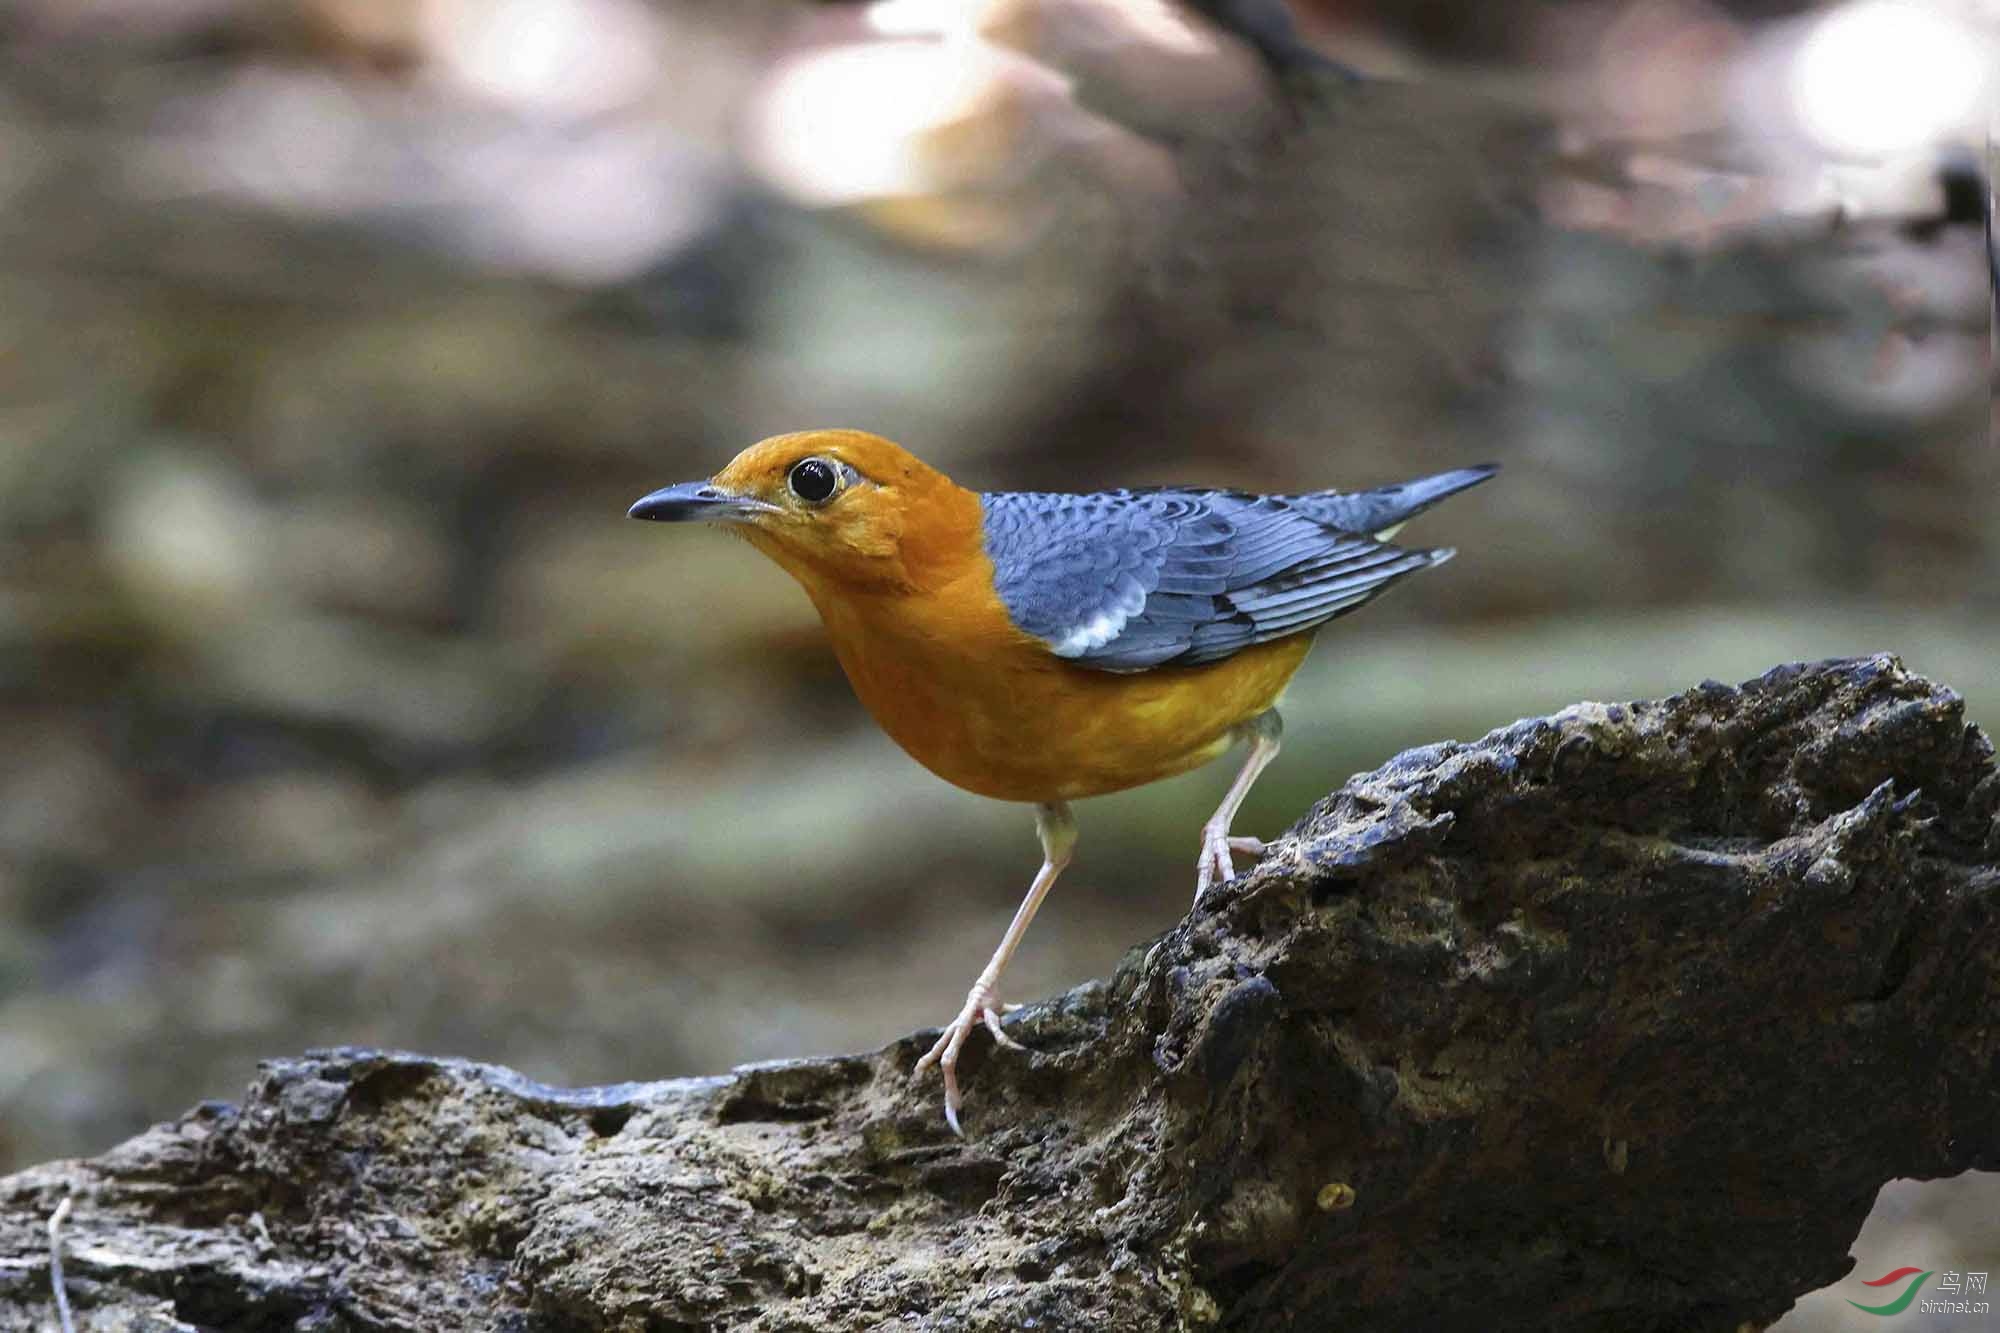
x=1042 y=648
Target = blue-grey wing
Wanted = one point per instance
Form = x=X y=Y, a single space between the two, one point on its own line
x=1126 y=580
x=1382 y=510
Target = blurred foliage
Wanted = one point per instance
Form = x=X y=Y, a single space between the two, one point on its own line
x=342 y=704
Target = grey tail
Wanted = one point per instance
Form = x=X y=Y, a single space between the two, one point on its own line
x=1385 y=508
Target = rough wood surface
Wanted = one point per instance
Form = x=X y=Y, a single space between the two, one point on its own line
x=1612 y=1019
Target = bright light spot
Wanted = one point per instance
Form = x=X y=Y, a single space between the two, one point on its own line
x=841 y=125
x=597 y=209
x=919 y=18
x=577 y=56
x=1882 y=77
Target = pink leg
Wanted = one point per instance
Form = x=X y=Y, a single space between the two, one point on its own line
x=1057 y=829
x=1215 y=865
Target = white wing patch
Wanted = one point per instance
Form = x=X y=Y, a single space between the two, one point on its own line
x=1103 y=627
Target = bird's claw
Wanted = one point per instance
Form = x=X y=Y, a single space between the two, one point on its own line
x=992 y=1017
x=1216 y=864
x=982 y=1007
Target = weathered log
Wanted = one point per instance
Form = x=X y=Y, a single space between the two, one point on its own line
x=1613 y=1019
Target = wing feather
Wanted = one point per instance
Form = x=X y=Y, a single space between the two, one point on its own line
x=1128 y=580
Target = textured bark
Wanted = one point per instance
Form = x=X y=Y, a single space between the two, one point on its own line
x=1613 y=1019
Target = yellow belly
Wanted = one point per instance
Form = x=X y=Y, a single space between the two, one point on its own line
x=987 y=708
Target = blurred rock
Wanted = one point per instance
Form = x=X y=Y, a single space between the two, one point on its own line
x=377 y=556
x=290 y=824
x=190 y=542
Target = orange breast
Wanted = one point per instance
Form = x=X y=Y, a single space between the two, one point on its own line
x=989 y=708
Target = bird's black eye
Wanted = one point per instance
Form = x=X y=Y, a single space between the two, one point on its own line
x=814 y=480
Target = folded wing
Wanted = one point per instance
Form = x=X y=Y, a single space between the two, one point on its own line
x=1128 y=580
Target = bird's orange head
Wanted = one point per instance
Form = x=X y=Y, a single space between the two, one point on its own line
x=835 y=507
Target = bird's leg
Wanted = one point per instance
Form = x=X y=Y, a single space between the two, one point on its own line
x=1214 y=865
x=1057 y=829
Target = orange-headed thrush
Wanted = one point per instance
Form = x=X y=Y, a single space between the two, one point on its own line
x=1039 y=647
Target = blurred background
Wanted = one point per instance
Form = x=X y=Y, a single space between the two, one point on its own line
x=339 y=702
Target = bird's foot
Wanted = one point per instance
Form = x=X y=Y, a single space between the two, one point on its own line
x=1216 y=864
x=981 y=1006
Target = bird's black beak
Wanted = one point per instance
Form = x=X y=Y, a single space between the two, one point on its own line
x=696 y=500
